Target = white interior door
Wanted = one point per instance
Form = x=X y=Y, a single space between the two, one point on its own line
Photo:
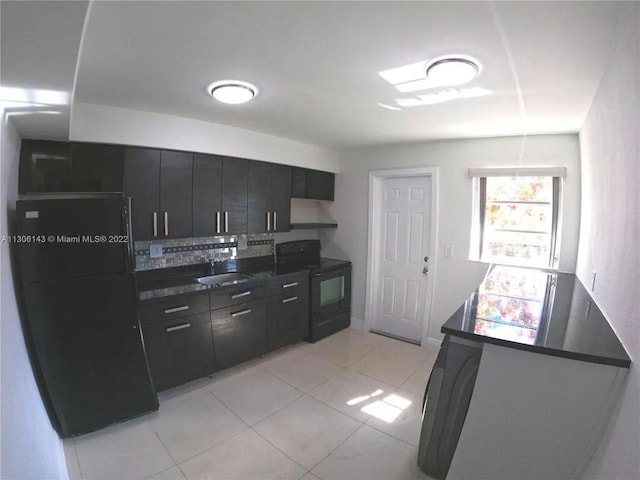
x=401 y=258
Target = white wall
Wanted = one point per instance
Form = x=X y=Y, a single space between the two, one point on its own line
x=103 y=124
x=30 y=448
x=610 y=230
x=457 y=277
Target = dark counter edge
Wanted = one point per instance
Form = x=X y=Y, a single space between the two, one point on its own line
x=583 y=357
x=176 y=277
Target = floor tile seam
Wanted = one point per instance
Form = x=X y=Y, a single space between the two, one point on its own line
x=390 y=435
x=337 y=447
x=162 y=471
x=297 y=388
x=336 y=363
x=230 y=410
x=165 y=449
x=335 y=409
x=378 y=379
x=421 y=364
x=279 y=450
x=265 y=371
x=182 y=462
x=325 y=359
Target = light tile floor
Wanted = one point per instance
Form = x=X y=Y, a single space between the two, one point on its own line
x=347 y=407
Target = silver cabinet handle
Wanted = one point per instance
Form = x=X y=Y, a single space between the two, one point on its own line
x=241 y=312
x=177 y=309
x=275 y=221
x=226 y=222
x=155 y=224
x=290 y=299
x=243 y=294
x=178 y=327
x=217 y=222
x=166 y=223
x=268 y=221
x=289 y=285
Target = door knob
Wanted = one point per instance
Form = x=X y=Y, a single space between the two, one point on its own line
x=425 y=270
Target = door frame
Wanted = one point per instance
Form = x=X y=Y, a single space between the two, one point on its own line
x=376 y=177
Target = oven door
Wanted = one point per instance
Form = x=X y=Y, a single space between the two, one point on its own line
x=330 y=293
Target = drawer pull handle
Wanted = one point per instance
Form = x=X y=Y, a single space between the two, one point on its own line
x=178 y=327
x=288 y=285
x=241 y=312
x=243 y=294
x=177 y=309
x=290 y=299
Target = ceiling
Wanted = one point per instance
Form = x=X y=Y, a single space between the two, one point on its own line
x=316 y=64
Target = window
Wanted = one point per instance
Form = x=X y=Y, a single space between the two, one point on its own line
x=516 y=216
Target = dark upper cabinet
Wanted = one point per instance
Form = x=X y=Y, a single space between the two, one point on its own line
x=55 y=167
x=176 y=176
x=312 y=184
x=219 y=195
x=207 y=195
x=234 y=195
x=142 y=184
x=269 y=205
x=159 y=184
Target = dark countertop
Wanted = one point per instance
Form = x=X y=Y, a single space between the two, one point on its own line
x=182 y=280
x=538 y=311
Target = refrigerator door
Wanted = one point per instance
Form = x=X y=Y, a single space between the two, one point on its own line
x=87 y=340
x=71 y=238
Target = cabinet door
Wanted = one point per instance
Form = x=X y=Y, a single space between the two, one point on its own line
x=179 y=350
x=96 y=167
x=259 y=198
x=319 y=185
x=281 y=198
x=239 y=333
x=207 y=195
x=298 y=182
x=142 y=184
x=234 y=195
x=176 y=177
x=287 y=318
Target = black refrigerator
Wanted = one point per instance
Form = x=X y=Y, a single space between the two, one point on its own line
x=76 y=262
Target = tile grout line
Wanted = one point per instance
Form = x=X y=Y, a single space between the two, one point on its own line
x=337 y=447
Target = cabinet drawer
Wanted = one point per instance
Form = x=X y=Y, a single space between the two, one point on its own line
x=287 y=317
x=173 y=307
x=239 y=333
x=179 y=350
x=284 y=283
x=243 y=293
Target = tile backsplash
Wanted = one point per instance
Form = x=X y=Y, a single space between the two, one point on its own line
x=153 y=254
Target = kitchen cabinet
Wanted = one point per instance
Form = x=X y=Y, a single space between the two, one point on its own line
x=239 y=333
x=219 y=195
x=179 y=350
x=177 y=337
x=269 y=197
x=312 y=184
x=65 y=167
x=287 y=309
x=160 y=186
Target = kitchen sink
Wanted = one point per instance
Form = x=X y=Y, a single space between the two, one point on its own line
x=223 y=279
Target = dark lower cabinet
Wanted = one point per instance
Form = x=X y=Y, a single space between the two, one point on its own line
x=179 y=350
x=239 y=333
x=287 y=317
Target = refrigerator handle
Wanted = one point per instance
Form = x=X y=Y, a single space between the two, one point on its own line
x=127 y=230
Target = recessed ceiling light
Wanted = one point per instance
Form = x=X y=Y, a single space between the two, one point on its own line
x=452 y=71
x=232 y=91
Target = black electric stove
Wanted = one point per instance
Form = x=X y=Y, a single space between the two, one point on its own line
x=330 y=285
